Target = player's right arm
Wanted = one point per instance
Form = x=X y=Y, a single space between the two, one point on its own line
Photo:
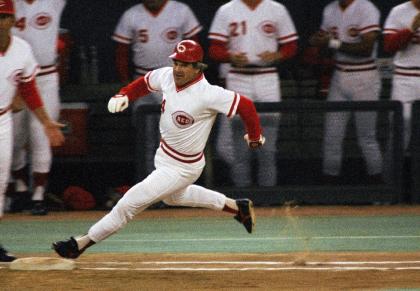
x=396 y=37
x=137 y=89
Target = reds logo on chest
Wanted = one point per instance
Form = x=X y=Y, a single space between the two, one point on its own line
x=41 y=20
x=182 y=119
x=268 y=28
x=170 y=35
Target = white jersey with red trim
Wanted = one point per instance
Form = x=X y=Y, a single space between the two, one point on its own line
x=253 y=31
x=401 y=17
x=359 y=18
x=38 y=23
x=154 y=36
x=188 y=113
x=17 y=64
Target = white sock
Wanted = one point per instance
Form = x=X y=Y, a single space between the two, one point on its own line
x=38 y=193
x=231 y=204
x=82 y=241
x=20 y=186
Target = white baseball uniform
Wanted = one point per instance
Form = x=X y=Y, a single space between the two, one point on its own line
x=355 y=79
x=38 y=23
x=187 y=117
x=406 y=83
x=17 y=65
x=153 y=38
x=252 y=31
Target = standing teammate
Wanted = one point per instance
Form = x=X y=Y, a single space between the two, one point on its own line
x=152 y=29
x=17 y=73
x=402 y=38
x=253 y=36
x=189 y=108
x=37 y=22
x=350 y=28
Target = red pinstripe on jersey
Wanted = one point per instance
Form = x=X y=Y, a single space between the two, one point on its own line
x=185 y=158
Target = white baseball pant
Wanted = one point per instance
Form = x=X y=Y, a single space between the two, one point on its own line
x=407 y=90
x=230 y=143
x=6 y=146
x=352 y=86
x=171 y=183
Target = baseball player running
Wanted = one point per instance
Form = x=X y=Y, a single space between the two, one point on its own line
x=152 y=29
x=402 y=38
x=37 y=22
x=18 y=70
x=350 y=28
x=189 y=108
x=253 y=36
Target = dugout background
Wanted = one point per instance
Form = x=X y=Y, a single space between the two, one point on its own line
x=113 y=157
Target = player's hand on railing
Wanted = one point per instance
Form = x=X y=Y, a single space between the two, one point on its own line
x=254 y=144
x=118 y=103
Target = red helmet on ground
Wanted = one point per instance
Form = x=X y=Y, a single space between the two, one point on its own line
x=6 y=7
x=188 y=51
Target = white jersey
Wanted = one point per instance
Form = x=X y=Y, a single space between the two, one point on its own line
x=359 y=18
x=188 y=114
x=253 y=31
x=18 y=64
x=38 y=23
x=400 y=18
x=154 y=36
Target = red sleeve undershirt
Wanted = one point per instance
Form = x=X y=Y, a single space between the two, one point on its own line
x=137 y=88
x=121 y=61
x=29 y=92
x=397 y=41
x=219 y=52
x=248 y=113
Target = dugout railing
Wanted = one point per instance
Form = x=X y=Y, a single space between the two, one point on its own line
x=299 y=159
x=414 y=152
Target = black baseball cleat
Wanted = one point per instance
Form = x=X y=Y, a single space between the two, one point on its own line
x=6 y=256
x=39 y=208
x=67 y=248
x=246 y=214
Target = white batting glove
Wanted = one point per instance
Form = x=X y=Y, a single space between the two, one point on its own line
x=254 y=144
x=118 y=103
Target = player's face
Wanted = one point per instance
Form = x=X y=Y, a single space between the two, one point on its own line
x=6 y=23
x=184 y=72
x=153 y=4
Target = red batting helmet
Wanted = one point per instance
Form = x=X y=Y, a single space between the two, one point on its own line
x=6 y=7
x=188 y=51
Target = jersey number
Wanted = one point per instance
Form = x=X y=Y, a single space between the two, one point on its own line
x=21 y=23
x=237 y=29
x=143 y=35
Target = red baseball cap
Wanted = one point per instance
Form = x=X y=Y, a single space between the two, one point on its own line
x=6 y=7
x=188 y=51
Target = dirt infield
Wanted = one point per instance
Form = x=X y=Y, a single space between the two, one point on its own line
x=319 y=271
x=216 y=271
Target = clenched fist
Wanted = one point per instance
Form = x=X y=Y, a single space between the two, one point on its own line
x=254 y=144
x=118 y=103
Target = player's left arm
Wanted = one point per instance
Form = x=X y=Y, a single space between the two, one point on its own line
x=248 y=113
x=363 y=48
